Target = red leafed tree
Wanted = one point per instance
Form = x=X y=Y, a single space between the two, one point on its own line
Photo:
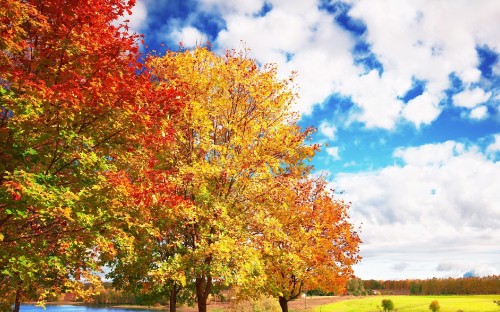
x=75 y=103
x=151 y=210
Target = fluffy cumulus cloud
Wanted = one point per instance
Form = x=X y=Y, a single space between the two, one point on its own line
x=189 y=37
x=422 y=109
x=328 y=130
x=479 y=112
x=333 y=152
x=438 y=206
x=415 y=41
x=471 y=98
x=245 y=7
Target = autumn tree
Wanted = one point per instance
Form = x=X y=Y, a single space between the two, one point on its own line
x=235 y=134
x=306 y=241
x=434 y=306
x=72 y=101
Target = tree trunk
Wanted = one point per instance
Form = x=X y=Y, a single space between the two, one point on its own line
x=203 y=289
x=173 y=299
x=17 y=303
x=283 y=304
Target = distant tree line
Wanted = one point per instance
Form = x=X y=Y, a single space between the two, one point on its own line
x=110 y=295
x=435 y=286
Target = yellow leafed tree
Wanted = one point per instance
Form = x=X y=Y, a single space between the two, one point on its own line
x=235 y=135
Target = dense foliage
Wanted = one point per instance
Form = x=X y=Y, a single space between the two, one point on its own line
x=356 y=287
x=387 y=305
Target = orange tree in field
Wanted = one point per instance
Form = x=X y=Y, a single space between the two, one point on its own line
x=234 y=136
x=307 y=241
x=70 y=113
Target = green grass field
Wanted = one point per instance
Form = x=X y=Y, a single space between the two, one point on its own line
x=416 y=304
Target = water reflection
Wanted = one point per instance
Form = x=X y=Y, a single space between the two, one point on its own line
x=74 y=308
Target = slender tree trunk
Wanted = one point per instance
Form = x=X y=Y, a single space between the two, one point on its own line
x=17 y=303
x=283 y=304
x=203 y=289
x=173 y=298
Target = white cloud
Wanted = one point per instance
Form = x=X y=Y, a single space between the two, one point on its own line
x=471 y=98
x=189 y=36
x=377 y=97
x=333 y=152
x=423 y=109
x=479 y=112
x=242 y=7
x=430 y=202
x=429 y=154
x=137 y=21
x=328 y=130
x=138 y=17
x=415 y=39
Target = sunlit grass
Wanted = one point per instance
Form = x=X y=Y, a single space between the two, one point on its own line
x=416 y=304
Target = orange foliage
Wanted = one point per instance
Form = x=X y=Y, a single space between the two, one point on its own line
x=312 y=245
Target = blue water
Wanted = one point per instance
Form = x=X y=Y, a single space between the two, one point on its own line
x=73 y=308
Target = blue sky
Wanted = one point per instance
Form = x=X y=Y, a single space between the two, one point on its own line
x=406 y=99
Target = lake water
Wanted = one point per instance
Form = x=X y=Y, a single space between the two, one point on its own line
x=74 y=308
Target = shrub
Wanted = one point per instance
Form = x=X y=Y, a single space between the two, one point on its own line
x=355 y=287
x=262 y=304
x=387 y=305
x=434 y=306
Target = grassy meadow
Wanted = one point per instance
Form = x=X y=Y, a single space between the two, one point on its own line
x=482 y=303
